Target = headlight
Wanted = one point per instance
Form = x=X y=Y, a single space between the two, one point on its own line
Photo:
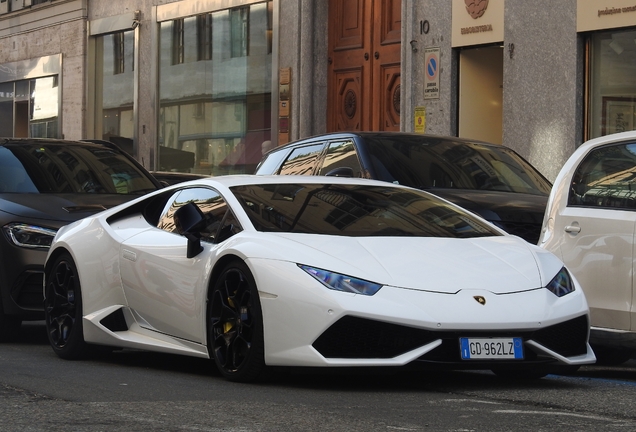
x=561 y=284
x=340 y=282
x=29 y=236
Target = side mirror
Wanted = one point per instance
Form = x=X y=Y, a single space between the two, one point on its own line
x=340 y=172
x=189 y=221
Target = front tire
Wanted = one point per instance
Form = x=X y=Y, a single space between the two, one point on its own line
x=63 y=309
x=235 y=325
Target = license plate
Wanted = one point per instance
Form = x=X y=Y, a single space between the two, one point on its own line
x=491 y=348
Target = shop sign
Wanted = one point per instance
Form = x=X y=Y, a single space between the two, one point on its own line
x=596 y=15
x=477 y=22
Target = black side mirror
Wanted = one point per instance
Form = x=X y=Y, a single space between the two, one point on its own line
x=189 y=220
x=340 y=172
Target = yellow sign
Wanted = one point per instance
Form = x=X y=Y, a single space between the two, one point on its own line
x=420 y=120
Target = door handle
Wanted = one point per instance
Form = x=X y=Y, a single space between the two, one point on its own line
x=572 y=229
x=376 y=55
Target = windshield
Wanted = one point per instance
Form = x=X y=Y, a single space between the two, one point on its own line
x=69 y=168
x=430 y=162
x=356 y=211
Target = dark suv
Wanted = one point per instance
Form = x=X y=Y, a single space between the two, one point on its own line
x=488 y=179
x=45 y=184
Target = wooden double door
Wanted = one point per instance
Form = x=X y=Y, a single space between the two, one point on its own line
x=364 y=65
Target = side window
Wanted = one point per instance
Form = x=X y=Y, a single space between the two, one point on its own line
x=302 y=160
x=271 y=163
x=341 y=154
x=209 y=201
x=606 y=178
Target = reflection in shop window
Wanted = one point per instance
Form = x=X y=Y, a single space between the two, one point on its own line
x=114 y=88
x=44 y=108
x=215 y=114
x=239 y=31
x=612 y=77
x=204 y=37
x=177 y=42
x=6 y=109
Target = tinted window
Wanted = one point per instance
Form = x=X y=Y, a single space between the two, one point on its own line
x=355 y=211
x=271 y=163
x=606 y=178
x=302 y=160
x=440 y=163
x=211 y=204
x=341 y=154
x=69 y=168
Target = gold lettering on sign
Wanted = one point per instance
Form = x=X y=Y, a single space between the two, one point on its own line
x=616 y=10
x=477 y=29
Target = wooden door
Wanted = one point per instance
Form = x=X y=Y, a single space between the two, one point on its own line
x=364 y=65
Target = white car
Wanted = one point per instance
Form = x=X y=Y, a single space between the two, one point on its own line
x=590 y=223
x=258 y=271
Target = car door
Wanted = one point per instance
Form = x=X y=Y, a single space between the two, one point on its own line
x=166 y=290
x=596 y=231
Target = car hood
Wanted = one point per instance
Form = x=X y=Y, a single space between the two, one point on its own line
x=500 y=264
x=498 y=206
x=63 y=208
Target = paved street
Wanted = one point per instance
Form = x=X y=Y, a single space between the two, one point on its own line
x=138 y=391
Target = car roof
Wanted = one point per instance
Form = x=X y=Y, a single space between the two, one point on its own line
x=229 y=181
x=385 y=134
x=55 y=141
x=609 y=139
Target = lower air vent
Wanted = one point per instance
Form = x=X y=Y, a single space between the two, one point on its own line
x=115 y=322
x=352 y=337
x=567 y=338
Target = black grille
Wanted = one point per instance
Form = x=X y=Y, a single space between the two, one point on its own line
x=568 y=338
x=28 y=292
x=352 y=337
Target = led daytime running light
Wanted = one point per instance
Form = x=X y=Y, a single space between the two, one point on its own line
x=340 y=282
x=29 y=236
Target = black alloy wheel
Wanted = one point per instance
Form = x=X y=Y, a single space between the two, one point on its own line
x=235 y=325
x=63 y=309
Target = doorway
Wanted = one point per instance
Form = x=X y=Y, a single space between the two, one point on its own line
x=481 y=94
x=364 y=65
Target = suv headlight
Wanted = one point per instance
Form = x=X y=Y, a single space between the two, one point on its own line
x=29 y=236
x=340 y=282
x=561 y=284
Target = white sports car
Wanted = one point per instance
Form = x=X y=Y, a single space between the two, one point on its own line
x=257 y=271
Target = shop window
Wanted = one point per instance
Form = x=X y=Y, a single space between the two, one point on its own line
x=114 y=88
x=612 y=78
x=215 y=107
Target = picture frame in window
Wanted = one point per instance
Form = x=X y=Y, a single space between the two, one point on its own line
x=618 y=114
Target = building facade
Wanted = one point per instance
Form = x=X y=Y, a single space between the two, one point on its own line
x=207 y=86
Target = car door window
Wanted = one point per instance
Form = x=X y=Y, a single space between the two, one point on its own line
x=271 y=162
x=302 y=160
x=211 y=203
x=606 y=178
x=341 y=154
